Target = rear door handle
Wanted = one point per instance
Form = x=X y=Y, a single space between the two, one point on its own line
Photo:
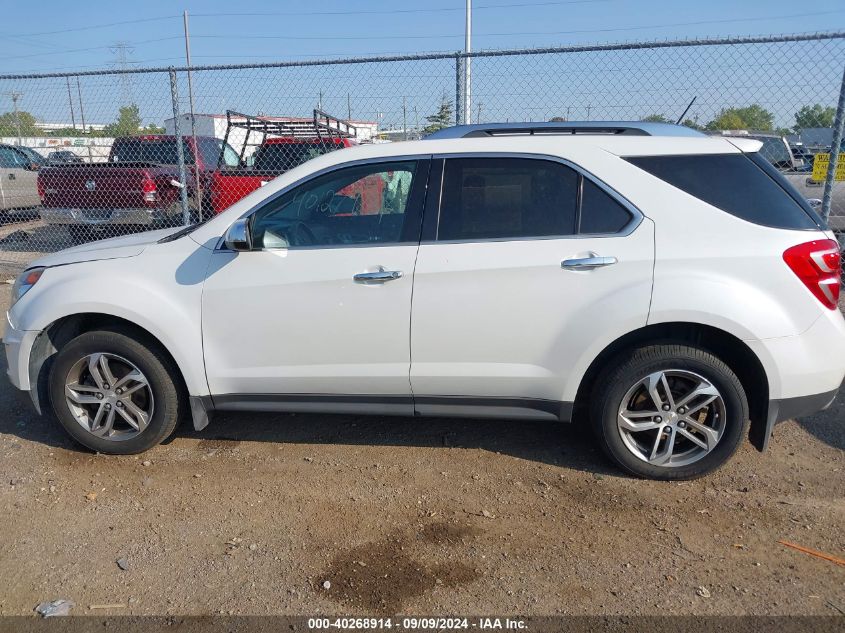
x=377 y=277
x=587 y=263
x=12 y=177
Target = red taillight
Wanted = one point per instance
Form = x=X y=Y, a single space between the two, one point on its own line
x=148 y=188
x=818 y=265
x=40 y=189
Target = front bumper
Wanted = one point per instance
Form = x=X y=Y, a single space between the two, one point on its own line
x=104 y=217
x=18 y=346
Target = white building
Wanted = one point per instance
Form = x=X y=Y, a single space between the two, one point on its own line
x=55 y=127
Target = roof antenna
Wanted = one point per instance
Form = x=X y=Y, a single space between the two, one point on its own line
x=681 y=118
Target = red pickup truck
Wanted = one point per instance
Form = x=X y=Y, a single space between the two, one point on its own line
x=138 y=188
x=274 y=156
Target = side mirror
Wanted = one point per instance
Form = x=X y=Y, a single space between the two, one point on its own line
x=239 y=237
x=815 y=203
x=32 y=167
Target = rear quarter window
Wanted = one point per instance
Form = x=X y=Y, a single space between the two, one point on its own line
x=736 y=184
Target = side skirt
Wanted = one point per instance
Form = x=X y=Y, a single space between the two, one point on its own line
x=434 y=406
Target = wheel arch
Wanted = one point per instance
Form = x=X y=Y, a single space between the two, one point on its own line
x=63 y=330
x=730 y=349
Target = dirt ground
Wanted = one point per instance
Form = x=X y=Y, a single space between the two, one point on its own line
x=259 y=514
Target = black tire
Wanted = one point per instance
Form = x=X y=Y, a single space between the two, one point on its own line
x=82 y=234
x=627 y=369
x=147 y=356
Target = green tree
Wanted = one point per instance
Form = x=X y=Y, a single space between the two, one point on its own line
x=693 y=123
x=814 y=116
x=753 y=117
x=9 y=124
x=128 y=122
x=440 y=119
x=656 y=118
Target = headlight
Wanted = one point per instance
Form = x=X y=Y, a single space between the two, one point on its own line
x=26 y=280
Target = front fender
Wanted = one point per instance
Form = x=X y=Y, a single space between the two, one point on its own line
x=147 y=291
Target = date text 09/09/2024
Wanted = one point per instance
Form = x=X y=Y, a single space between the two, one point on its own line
x=417 y=623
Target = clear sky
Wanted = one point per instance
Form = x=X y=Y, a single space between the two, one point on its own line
x=61 y=35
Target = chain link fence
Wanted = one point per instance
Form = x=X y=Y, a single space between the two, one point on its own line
x=104 y=161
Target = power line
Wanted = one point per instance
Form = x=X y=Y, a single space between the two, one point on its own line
x=97 y=26
x=89 y=48
x=506 y=34
x=394 y=11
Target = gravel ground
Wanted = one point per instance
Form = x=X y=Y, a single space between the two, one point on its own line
x=416 y=516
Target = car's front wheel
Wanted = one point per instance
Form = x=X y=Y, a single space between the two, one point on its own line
x=669 y=412
x=115 y=391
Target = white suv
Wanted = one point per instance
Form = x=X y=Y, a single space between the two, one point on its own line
x=666 y=286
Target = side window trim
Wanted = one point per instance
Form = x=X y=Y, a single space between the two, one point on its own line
x=636 y=215
x=423 y=161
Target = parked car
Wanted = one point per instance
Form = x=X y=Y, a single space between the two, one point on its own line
x=137 y=189
x=663 y=286
x=776 y=150
x=34 y=157
x=64 y=156
x=18 y=188
x=803 y=157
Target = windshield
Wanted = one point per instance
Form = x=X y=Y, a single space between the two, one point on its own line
x=34 y=156
x=284 y=156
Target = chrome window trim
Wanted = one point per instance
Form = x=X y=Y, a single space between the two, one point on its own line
x=322 y=172
x=636 y=215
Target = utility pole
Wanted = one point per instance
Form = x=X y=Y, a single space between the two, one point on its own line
x=15 y=96
x=468 y=64
x=416 y=122
x=197 y=184
x=478 y=116
x=81 y=111
x=404 y=120
x=348 y=107
x=589 y=107
x=70 y=103
x=320 y=101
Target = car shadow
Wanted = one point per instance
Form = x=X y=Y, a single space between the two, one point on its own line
x=828 y=426
x=553 y=443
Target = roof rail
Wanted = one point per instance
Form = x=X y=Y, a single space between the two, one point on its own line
x=627 y=128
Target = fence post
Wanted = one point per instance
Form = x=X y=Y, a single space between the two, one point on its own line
x=836 y=143
x=180 y=152
x=459 y=94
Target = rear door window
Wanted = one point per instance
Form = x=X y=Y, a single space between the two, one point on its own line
x=735 y=184
x=158 y=151
x=599 y=212
x=501 y=198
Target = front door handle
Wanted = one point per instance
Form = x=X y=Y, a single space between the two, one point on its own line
x=378 y=277
x=12 y=177
x=587 y=263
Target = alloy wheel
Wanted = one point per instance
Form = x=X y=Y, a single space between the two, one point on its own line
x=672 y=418
x=109 y=396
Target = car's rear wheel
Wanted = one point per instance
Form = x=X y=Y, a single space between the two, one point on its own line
x=115 y=391
x=669 y=412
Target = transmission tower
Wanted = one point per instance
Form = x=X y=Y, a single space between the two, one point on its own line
x=122 y=51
